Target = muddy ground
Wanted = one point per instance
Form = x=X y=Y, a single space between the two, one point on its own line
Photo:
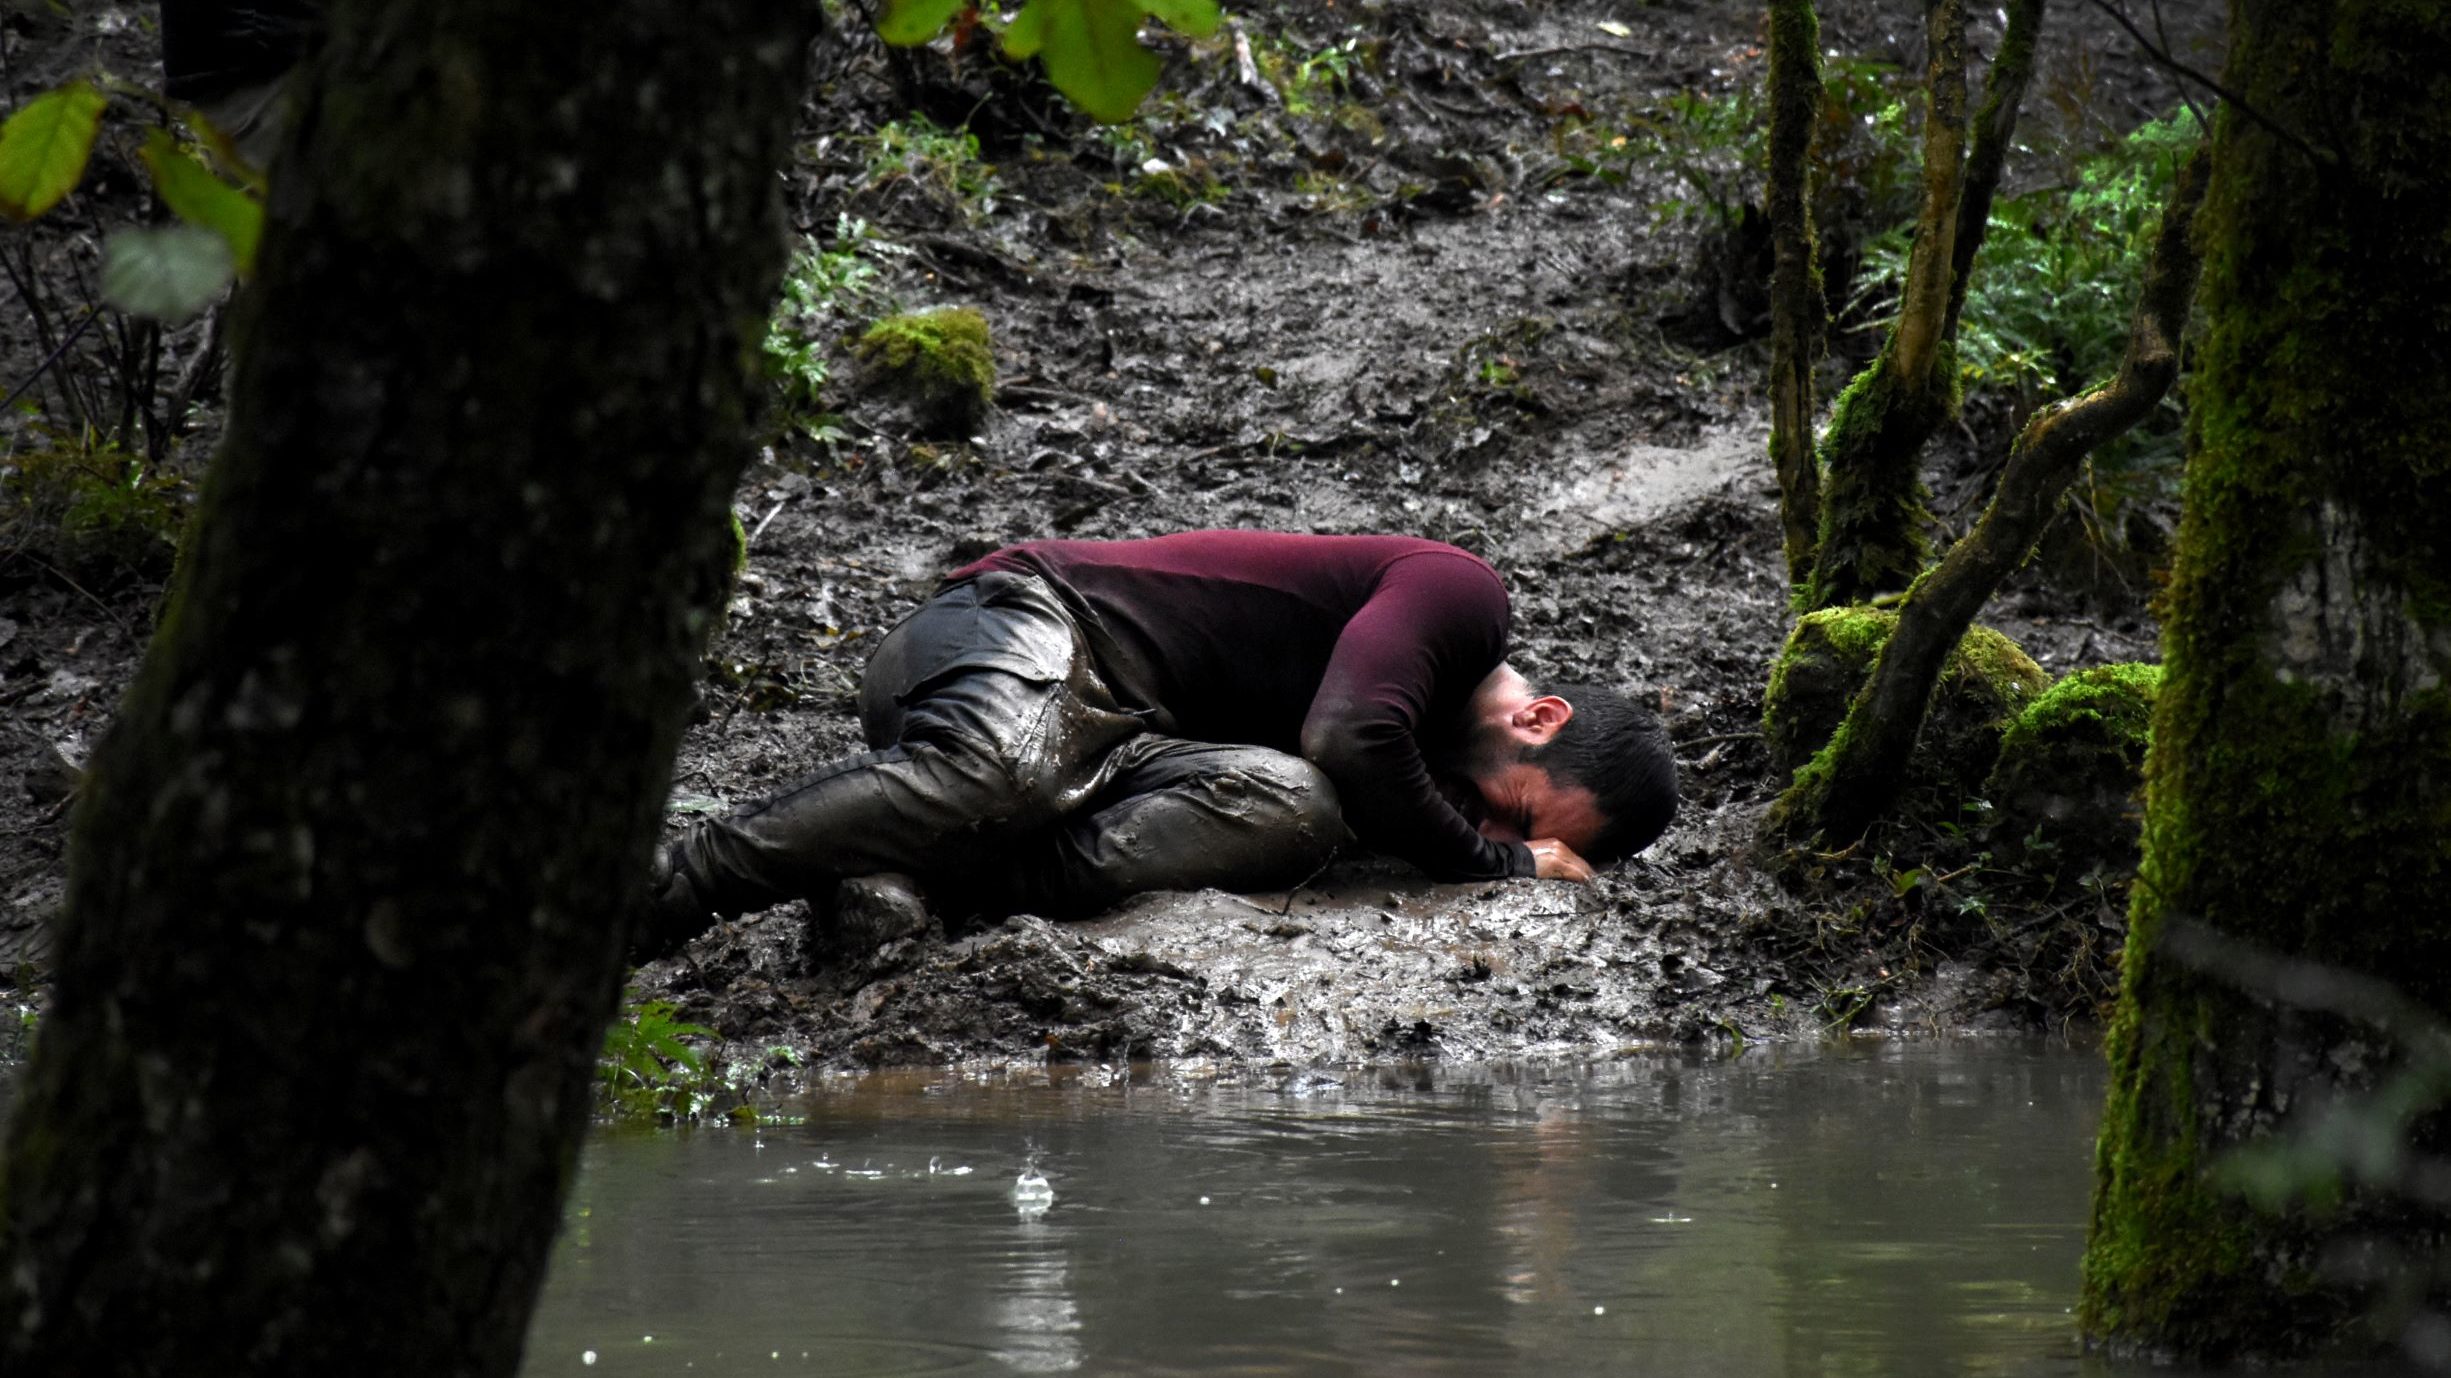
x=1368 y=292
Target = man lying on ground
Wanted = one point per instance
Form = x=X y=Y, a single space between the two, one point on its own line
x=1070 y=722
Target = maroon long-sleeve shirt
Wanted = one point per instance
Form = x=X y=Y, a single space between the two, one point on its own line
x=1347 y=649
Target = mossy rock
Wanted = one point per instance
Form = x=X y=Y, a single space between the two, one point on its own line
x=937 y=363
x=1986 y=682
x=2070 y=769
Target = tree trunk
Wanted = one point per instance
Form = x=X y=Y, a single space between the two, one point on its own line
x=1798 y=313
x=349 y=885
x=1872 y=515
x=1859 y=774
x=1995 y=127
x=2299 y=788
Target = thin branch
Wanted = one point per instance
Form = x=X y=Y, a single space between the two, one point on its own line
x=45 y=366
x=766 y=521
x=125 y=629
x=196 y=373
x=2164 y=60
x=1566 y=48
x=1995 y=126
x=2162 y=32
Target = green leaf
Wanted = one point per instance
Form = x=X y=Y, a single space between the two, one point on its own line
x=1198 y=18
x=167 y=274
x=1027 y=33
x=200 y=198
x=908 y=23
x=1092 y=52
x=43 y=148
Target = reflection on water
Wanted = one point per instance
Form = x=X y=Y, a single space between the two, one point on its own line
x=1861 y=1210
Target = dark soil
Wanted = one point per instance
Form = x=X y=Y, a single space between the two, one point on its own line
x=1406 y=309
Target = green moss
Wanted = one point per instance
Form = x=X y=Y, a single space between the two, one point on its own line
x=93 y=512
x=939 y=362
x=2296 y=809
x=1872 y=494
x=2163 y=1228
x=2071 y=766
x=1986 y=681
x=1193 y=184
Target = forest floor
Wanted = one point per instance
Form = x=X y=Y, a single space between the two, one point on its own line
x=1402 y=281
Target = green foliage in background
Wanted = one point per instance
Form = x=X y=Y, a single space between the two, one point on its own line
x=2048 y=311
x=945 y=164
x=166 y=273
x=1310 y=81
x=1867 y=155
x=1715 y=143
x=203 y=200
x=1090 y=48
x=91 y=511
x=646 y=1071
x=43 y=148
x=823 y=284
x=18 y=1021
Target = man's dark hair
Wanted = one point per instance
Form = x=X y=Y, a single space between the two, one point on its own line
x=1617 y=749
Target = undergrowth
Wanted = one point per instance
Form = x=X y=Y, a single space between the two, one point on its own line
x=648 y=1071
x=1714 y=144
x=1890 y=911
x=2047 y=314
x=944 y=165
x=823 y=286
x=83 y=509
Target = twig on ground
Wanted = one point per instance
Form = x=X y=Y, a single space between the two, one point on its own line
x=1721 y=737
x=1435 y=108
x=766 y=521
x=1247 y=69
x=1564 y=49
x=1302 y=885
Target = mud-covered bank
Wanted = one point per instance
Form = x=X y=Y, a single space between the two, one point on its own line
x=1391 y=276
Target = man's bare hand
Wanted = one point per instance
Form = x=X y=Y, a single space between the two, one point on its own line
x=1554 y=860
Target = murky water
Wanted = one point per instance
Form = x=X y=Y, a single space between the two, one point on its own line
x=1878 y=1210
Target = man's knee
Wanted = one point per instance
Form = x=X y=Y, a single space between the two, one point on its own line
x=1292 y=799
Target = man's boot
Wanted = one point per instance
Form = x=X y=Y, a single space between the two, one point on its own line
x=673 y=912
x=870 y=915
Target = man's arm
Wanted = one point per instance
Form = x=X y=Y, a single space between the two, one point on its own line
x=1438 y=619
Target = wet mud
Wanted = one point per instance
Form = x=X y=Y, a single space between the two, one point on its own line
x=1402 y=311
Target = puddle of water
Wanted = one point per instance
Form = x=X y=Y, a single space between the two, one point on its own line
x=1880 y=1210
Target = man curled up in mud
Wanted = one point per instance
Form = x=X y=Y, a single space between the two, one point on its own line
x=1070 y=722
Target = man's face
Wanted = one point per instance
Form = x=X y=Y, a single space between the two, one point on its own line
x=1524 y=803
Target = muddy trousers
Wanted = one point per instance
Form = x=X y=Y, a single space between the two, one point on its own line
x=1005 y=776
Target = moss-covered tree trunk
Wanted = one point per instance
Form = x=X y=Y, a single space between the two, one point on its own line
x=1798 y=314
x=2299 y=787
x=1871 y=533
x=1859 y=774
x=349 y=885
x=1872 y=515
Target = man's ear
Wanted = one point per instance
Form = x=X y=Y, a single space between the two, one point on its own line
x=1543 y=717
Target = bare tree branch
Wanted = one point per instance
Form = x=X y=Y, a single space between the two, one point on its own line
x=2164 y=60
